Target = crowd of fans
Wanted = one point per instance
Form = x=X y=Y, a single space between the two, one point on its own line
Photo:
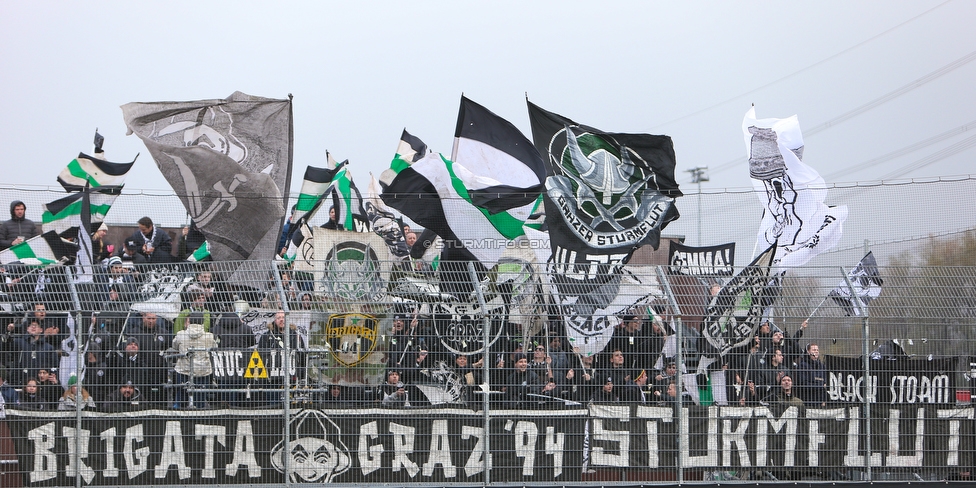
x=139 y=359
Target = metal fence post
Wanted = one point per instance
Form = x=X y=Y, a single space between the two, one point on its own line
x=863 y=311
x=286 y=366
x=679 y=360
x=78 y=361
x=486 y=325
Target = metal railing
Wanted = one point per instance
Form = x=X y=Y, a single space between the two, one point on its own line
x=390 y=373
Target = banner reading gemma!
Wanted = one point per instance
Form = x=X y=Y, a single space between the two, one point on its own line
x=701 y=261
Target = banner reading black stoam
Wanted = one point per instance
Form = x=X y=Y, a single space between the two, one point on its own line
x=894 y=380
x=159 y=447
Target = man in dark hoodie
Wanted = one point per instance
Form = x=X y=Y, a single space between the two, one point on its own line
x=19 y=228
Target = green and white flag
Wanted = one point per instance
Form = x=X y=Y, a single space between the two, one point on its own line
x=64 y=214
x=348 y=202
x=301 y=246
x=410 y=150
x=202 y=253
x=479 y=200
x=47 y=248
x=96 y=172
x=314 y=185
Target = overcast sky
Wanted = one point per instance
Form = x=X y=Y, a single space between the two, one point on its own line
x=362 y=71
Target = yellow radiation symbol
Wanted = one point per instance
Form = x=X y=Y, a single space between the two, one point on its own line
x=255 y=367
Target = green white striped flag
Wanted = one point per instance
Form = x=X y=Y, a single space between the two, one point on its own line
x=348 y=202
x=314 y=185
x=64 y=214
x=480 y=200
x=47 y=248
x=202 y=253
x=301 y=245
x=94 y=171
x=410 y=150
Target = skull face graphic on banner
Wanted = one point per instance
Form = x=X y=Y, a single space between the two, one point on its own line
x=604 y=198
x=316 y=451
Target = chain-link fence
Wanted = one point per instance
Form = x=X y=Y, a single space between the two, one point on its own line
x=354 y=370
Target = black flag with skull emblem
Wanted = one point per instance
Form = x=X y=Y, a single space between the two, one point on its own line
x=606 y=193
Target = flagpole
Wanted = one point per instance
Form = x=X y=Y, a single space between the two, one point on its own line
x=818 y=307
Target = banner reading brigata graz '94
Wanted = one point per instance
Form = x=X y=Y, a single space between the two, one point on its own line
x=157 y=447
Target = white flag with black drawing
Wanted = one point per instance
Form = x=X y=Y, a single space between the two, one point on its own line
x=792 y=193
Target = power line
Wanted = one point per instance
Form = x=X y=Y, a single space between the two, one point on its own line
x=894 y=94
x=934 y=157
x=814 y=65
x=901 y=152
x=868 y=106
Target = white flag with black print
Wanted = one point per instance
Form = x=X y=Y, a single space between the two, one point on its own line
x=792 y=193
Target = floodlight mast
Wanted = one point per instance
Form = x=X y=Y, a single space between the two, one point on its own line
x=698 y=175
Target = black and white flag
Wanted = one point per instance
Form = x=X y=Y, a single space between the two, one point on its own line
x=84 y=257
x=230 y=162
x=733 y=315
x=606 y=194
x=792 y=193
x=867 y=286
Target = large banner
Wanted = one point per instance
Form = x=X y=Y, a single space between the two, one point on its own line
x=229 y=160
x=158 y=447
x=430 y=445
x=771 y=436
x=373 y=445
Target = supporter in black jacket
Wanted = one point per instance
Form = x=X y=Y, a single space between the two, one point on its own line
x=31 y=353
x=31 y=397
x=19 y=228
x=126 y=398
x=154 y=243
x=146 y=370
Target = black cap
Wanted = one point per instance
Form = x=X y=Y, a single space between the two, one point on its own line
x=132 y=340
